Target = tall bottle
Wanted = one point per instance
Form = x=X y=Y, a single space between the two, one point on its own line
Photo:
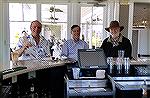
x=110 y=63
x=127 y=65
x=119 y=62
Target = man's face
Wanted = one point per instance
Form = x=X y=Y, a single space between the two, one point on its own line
x=36 y=28
x=76 y=33
x=114 y=31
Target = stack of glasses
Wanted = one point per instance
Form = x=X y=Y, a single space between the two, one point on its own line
x=121 y=63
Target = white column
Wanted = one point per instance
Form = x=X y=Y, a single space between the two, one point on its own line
x=116 y=10
x=105 y=22
x=4 y=35
x=73 y=17
x=38 y=11
x=108 y=16
x=76 y=13
x=110 y=11
x=130 y=20
x=68 y=35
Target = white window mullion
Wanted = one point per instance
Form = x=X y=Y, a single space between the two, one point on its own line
x=22 y=7
x=38 y=11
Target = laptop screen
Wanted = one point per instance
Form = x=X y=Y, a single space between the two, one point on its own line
x=91 y=58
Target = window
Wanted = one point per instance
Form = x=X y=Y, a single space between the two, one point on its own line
x=92 y=25
x=20 y=16
x=54 y=19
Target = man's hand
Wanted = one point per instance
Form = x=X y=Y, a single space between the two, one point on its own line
x=27 y=45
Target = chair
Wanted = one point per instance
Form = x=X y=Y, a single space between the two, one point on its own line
x=91 y=86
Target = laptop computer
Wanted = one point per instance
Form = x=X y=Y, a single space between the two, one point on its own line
x=92 y=58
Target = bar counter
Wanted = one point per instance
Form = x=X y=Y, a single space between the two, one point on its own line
x=50 y=77
x=45 y=76
x=33 y=65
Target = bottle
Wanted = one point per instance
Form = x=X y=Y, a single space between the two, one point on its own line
x=126 y=65
x=110 y=63
x=144 y=90
x=119 y=62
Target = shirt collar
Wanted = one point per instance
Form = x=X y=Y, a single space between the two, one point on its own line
x=119 y=40
x=41 y=37
x=75 y=42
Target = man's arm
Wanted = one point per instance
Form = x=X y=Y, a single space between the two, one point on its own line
x=47 y=49
x=20 y=51
x=86 y=46
x=22 y=46
x=64 y=50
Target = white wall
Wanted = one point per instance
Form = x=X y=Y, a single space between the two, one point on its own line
x=143 y=40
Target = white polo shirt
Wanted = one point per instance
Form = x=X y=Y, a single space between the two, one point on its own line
x=36 y=51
